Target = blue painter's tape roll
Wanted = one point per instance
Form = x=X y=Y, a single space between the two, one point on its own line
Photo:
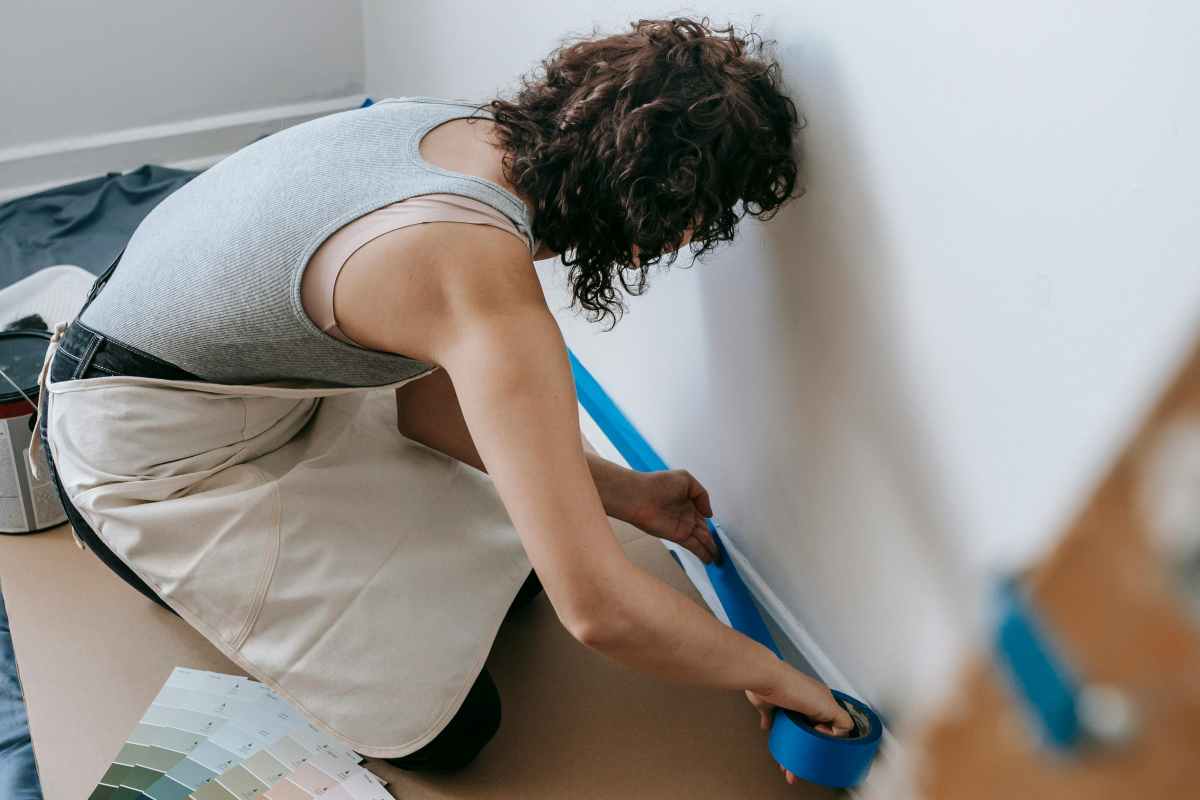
x=834 y=761
x=809 y=754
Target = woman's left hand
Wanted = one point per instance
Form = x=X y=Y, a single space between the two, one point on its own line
x=671 y=504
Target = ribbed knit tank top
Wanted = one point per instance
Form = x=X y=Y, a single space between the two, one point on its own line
x=210 y=280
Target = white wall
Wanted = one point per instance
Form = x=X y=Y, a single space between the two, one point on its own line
x=77 y=75
x=916 y=372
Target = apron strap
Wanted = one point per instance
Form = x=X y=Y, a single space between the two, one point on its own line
x=35 y=446
x=59 y=329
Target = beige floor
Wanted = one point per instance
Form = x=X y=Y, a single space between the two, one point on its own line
x=575 y=725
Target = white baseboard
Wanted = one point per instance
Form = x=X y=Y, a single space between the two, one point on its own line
x=187 y=144
x=803 y=640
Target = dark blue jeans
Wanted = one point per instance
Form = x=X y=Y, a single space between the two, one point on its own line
x=85 y=353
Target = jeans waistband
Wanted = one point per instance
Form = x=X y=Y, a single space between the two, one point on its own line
x=99 y=354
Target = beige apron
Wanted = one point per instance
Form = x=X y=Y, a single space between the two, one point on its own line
x=360 y=574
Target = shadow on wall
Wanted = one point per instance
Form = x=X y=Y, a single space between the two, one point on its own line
x=847 y=521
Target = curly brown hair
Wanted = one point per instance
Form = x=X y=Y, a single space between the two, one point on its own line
x=631 y=139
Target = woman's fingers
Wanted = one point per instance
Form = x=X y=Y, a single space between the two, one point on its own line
x=704 y=535
x=693 y=545
x=698 y=547
x=765 y=710
x=842 y=724
x=699 y=496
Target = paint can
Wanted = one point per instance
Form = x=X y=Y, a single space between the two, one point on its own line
x=26 y=505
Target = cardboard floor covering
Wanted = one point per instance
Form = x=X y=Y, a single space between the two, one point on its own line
x=92 y=653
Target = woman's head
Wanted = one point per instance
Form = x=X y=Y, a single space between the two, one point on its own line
x=631 y=146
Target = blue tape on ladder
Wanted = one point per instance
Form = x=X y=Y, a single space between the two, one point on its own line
x=1040 y=676
x=808 y=753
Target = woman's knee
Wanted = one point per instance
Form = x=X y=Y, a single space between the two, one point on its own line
x=471 y=728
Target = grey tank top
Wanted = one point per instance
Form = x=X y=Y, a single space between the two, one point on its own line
x=210 y=280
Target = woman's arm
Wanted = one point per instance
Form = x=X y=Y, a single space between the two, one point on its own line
x=507 y=360
x=427 y=411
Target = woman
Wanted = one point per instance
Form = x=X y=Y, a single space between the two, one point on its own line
x=265 y=420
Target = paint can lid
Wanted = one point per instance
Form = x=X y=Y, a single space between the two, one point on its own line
x=21 y=355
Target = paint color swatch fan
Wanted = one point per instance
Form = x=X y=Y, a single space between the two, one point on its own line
x=210 y=736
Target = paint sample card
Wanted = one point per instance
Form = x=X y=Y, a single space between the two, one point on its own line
x=211 y=736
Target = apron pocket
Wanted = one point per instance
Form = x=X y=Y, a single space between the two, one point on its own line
x=211 y=551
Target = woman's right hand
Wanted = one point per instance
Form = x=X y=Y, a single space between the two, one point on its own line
x=810 y=698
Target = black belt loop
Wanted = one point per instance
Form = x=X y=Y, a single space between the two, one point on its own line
x=85 y=360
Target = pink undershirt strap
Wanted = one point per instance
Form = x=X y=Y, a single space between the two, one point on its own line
x=321 y=272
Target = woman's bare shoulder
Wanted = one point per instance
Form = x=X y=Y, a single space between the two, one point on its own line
x=399 y=291
x=455 y=258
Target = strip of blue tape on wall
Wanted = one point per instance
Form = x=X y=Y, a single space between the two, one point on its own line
x=814 y=756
